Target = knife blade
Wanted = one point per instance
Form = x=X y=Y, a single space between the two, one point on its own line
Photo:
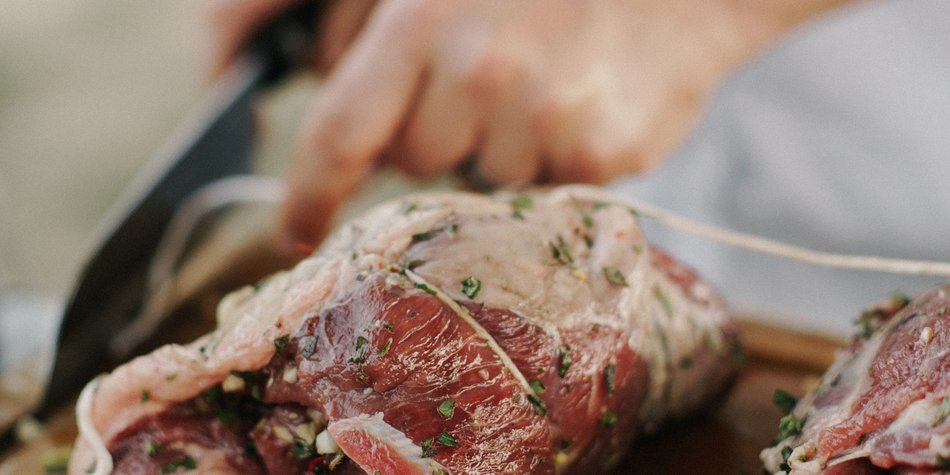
x=216 y=142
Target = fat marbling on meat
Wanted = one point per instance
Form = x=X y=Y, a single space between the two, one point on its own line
x=442 y=332
x=883 y=405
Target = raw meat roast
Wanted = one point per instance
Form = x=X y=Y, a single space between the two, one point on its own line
x=439 y=333
x=883 y=406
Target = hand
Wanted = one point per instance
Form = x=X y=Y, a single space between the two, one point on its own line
x=537 y=90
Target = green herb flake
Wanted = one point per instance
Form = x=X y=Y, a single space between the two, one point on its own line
x=560 y=251
x=610 y=377
x=146 y=395
x=565 y=359
x=186 y=463
x=361 y=350
x=427 y=449
x=608 y=419
x=425 y=288
x=281 y=342
x=786 y=453
x=425 y=236
x=784 y=400
x=585 y=218
x=540 y=408
x=686 y=362
x=388 y=326
x=303 y=450
x=537 y=386
x=308 y=346
x=942 y=412
x=664 y=301
x=789 y=426
x=151 y=448
x=446 y=408
x=471 y=286
x=615 y=276
x=385 y=350
x=566 y=444
x=517 y=214
x=521 y=202
x=56 y=460
x=447 y=440
x=599 y=205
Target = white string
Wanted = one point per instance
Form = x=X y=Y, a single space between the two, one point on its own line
x=88 y=432
x=161 y=275
x=788 y=251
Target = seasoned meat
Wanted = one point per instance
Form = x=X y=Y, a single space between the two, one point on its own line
x=439 y=333
x=883 y=405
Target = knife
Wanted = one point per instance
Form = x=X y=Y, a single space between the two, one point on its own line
x=216 y=142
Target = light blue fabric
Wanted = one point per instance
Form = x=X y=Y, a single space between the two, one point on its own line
x=839 y=140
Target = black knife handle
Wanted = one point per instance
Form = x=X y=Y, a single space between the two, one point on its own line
x=286 y=42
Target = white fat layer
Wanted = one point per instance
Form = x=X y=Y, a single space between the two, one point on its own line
x=383 y=434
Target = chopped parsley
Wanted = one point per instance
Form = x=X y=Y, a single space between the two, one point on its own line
x=520 y=203
x=615 y=276
x=565 y=359
x=388 y=326
x=361 y=350
x=56 y=460
x=610 y=377
x=537 y=386
x=566 y=444
x=447 y=440
x=471 y=286
x=608 y=419
x=425 y=288
x=308 y=345
x=151 y=448
x=280 y=343
x=186 y=463
x=539 y=407
x=146 y=395
x=784 y=400
x=786 y=453
x=427 y=449
x=447 y=408
x=686 y=362
x=664 y=301
x=303 y=450
x=425 y=236
x=560 y=251
x=385 y=350
x=789 y=426
x=599 y=205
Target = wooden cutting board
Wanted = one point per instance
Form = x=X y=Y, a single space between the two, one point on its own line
x=725 y=440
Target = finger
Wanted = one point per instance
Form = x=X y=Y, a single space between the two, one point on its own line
x=440 y=132
x=510 y=153
x=233 y=21
x=599 y=142
x=337 y=27
x=356 y=115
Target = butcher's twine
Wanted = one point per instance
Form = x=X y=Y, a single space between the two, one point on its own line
x=261 y=189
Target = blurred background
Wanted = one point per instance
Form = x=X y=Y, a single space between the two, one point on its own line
x=91 y=89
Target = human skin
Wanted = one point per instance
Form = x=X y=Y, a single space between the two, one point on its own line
x=537 y=90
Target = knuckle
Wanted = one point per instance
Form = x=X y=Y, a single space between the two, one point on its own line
x=550 y=112
x=596 y=161
x=492 y=73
